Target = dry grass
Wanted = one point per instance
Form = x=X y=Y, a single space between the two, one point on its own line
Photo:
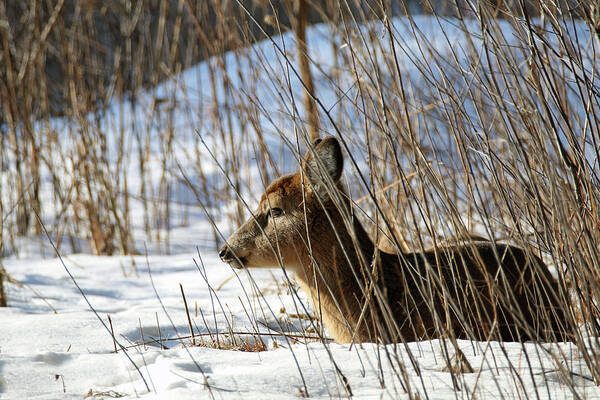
x=226 y=342
x=498 y=138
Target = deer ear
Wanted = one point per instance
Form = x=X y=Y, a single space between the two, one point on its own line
x=323 y=163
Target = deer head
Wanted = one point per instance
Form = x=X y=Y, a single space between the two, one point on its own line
x=276 y=233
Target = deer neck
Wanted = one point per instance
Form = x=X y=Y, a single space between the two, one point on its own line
x=332 y=275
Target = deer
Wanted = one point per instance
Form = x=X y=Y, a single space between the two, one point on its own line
x=478 y=289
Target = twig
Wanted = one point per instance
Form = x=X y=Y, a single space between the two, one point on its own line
x=187 y=312
x=112 y=332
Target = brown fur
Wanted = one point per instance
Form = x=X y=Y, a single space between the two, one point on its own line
x=475 y=290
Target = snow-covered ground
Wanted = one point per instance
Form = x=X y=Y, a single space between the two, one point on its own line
x=53 y=345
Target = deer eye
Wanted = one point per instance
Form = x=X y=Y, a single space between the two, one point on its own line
x=275 y=212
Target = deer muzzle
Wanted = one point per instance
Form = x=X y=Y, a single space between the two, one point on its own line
x=228 y=256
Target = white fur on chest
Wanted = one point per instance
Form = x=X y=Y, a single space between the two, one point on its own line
x=325 y=307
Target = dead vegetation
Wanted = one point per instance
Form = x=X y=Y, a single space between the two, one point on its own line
x=498 y=137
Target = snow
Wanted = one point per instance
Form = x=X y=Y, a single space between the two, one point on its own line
x=38 y=345
x=52 y=345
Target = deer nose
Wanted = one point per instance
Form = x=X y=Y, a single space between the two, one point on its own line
x=225 y=253
x=222 y=252
x=229 y=256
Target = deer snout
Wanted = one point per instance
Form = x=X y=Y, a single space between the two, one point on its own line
x=230 y=257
